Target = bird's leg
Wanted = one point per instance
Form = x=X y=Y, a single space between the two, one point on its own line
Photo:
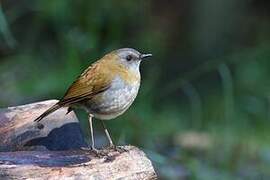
x=98 y=153
x=107 y=134
x=116 y=148
x=90 y=118
x=92 y=132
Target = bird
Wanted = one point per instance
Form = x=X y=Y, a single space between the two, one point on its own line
x=105 y=90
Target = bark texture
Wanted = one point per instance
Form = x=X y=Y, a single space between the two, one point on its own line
x=76 y=164
x=19 y=132
x=53 y=152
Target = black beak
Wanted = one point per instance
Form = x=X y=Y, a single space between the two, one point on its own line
x=145 y=56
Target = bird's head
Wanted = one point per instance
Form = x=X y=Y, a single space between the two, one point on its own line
x=130 y=58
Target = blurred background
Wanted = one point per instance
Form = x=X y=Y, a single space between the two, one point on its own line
x=203 y=108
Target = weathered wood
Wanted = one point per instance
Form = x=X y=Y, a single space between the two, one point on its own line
x=78 y=164
x=19 y=132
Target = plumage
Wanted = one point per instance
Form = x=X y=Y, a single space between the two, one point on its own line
x=106 y=89
x=92 y=81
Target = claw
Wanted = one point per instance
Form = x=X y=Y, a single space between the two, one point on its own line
x=118 y=148
x=98 y=153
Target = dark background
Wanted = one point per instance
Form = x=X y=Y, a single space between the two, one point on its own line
x=203 y=108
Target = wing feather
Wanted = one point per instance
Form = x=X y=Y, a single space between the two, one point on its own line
x=95 y=79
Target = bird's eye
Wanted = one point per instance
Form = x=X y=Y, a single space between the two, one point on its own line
x=129 y=58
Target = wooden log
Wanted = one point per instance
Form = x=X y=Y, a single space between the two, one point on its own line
x=19 y=132
x=78 y=164
x=21 y=142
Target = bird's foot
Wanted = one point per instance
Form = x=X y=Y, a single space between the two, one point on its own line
x=98 y=153
x=118 y=148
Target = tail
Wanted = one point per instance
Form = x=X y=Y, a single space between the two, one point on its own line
x=49 y=111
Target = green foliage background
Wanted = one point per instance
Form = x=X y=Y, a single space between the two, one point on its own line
x=203 y=109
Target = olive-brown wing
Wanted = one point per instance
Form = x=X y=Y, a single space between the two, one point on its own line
x=92 y=81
